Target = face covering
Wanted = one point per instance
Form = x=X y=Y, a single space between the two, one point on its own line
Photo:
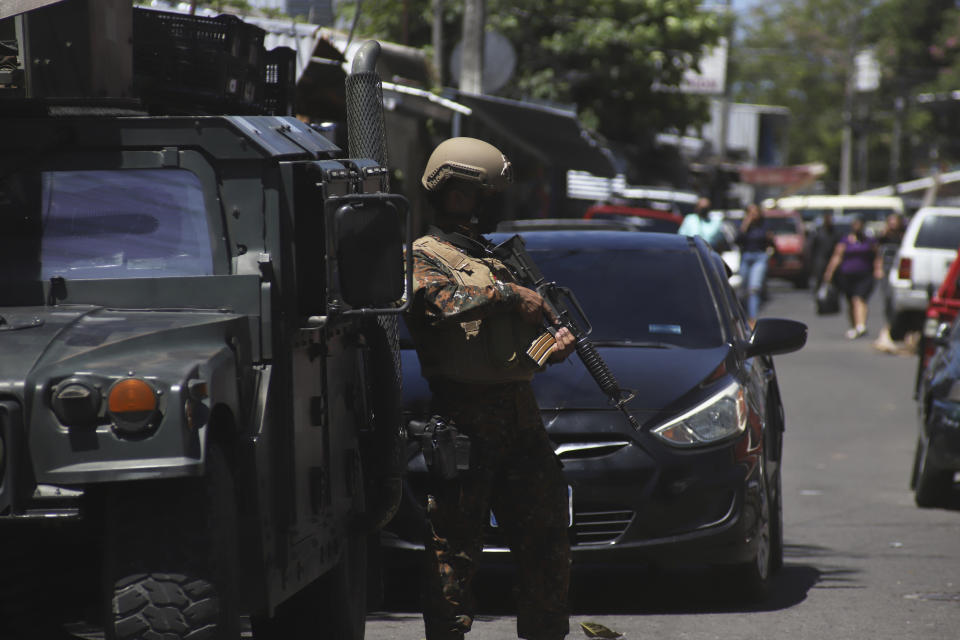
x=488 y=212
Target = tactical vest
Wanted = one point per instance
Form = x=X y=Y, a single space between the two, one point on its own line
x=488 y=350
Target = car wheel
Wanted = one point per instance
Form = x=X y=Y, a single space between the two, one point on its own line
x=170 y=557
x=931 y=487
x=776 y=524
x=752 y=579
x=899 y=325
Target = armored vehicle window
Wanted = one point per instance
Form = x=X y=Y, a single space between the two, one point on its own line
x=145 y=223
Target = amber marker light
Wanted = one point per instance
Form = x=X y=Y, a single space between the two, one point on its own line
x=132 y=403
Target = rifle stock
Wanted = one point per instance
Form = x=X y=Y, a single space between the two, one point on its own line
x=568 y=313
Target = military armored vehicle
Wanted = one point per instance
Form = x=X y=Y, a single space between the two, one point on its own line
x=198 y=370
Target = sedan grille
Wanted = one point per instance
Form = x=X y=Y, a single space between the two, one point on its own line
x=599 y=527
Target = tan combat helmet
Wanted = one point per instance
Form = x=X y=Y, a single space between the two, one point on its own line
x=467 y=159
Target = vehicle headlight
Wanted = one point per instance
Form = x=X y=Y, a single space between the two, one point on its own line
x=132 y=403
x=76 y=403
x=721 y=416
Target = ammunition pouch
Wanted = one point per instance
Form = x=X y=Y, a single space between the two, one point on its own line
x=445 y=450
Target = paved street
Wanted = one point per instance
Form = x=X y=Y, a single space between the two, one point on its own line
x=861 y=560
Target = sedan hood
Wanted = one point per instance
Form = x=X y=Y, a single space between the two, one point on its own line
x=658 y=377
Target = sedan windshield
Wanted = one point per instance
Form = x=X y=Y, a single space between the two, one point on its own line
x=645 y=297
x=104 y=224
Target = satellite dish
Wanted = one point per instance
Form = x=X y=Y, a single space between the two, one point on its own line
x=499 y=61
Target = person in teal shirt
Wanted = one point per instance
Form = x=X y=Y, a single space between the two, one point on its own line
x=701 y=223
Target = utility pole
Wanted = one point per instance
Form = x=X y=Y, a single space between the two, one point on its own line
x=863 y=127
x=471 y=62
x=899 y=107
x=724 y=114
x=846 y=143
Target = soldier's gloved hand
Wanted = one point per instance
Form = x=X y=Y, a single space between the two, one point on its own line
x=566 y=344
x=531 y=304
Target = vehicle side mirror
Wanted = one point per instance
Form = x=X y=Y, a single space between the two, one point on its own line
x=366 y=238
x=776 y=335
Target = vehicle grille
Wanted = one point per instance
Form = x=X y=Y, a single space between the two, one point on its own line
x=599 y=527
x=11 y=432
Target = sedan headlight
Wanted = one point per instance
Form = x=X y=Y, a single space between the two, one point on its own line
x=720 y=417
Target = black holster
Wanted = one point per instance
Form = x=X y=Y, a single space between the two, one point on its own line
x=445 y=450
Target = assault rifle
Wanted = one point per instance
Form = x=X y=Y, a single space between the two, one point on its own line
x=567 y=313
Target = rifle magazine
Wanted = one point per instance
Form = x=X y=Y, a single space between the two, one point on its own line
x=541 y=348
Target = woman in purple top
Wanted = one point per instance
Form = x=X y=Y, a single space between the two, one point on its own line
x=857 y=265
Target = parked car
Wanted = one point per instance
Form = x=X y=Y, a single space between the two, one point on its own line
x=928 y=248
x=791 y=261
x=940 y=314
x=937 y=456
x=699 y=482
x=656 y=220
x=663 y=198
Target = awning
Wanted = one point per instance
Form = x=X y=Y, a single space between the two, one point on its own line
x=13 y=7
x=553 y=135
x=782 y=176
x=420 y=102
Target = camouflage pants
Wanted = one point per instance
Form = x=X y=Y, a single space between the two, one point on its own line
x=514 y=472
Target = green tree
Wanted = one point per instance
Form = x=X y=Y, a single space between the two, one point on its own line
x=787 y=56
x=799 y=54
x=604 y=56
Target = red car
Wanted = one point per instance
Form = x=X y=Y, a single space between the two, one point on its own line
x=643 y=218
x=791 y=261
x=942 y=309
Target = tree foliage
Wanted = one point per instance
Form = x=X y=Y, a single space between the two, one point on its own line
x=604 y=56
x=787 y=55
x=800 y=54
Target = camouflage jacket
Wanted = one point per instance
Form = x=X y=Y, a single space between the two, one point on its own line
x=439 y=297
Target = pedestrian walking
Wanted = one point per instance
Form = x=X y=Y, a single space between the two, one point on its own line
x=756 y=243
x=471 y=325
x=701 y=223
x=822 y=244
x=854 y=268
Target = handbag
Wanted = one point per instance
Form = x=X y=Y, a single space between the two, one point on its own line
x=827 y=299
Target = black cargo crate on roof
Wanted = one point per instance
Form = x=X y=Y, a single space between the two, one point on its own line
x=214 y=63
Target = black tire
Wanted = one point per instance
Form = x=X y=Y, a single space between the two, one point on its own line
x=776 y=524
x=170 y=558
x=899 y=325
x=344 y=606
x=918 y=378
x=752 y=579
x=333 y=607
x=931 y=487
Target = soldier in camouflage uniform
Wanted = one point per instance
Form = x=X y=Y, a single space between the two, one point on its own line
x=471 y=325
